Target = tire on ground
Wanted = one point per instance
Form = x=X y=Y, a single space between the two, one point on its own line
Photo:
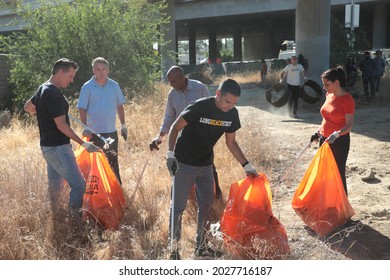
x=309 y=98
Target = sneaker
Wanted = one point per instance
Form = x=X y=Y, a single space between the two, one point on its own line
x=207 y=252
x=175 y=255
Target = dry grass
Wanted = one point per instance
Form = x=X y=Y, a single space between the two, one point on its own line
x=27 y=230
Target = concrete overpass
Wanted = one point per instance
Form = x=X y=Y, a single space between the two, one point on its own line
x=259 y=26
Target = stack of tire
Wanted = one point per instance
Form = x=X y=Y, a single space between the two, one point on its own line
x=285 y=97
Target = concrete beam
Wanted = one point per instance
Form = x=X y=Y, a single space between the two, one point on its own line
x=217 y=8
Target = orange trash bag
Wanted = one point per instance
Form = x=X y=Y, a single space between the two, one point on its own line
x=249 y=227
x=104 y=200
x=320 y=200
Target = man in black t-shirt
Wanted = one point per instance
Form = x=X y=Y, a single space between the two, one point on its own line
x=51 y=108
x=190 y=156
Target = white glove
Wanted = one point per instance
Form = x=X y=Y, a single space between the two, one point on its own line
x=280 y=81
x=250 y=170
x=333 y=137
x=90 y=147
x=304 y=81
x=124 y=131
x=172 y=164
x=87 y=133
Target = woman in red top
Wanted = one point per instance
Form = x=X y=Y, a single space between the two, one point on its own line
x=337 y=118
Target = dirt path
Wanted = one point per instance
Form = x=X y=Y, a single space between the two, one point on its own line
x=369 y=153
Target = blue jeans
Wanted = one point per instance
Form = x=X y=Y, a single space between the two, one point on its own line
x=186 y=176
x=61 y=166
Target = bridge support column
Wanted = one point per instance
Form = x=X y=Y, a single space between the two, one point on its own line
x=380 y=33
x=312 y=27
x=237 y=38
x=213 y=49
x=192 y=45
x=169 y=51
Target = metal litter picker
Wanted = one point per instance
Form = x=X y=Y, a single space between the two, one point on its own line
x=173 y=242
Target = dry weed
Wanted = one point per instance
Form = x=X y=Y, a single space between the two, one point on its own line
x=28 y=231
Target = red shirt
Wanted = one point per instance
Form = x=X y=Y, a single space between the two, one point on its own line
x=333 y=112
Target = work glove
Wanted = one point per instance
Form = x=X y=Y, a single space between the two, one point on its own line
x=333 y=137
x=250 y=170
x=304 y=81
x=315 y=137
x=172 y=163
x=155 y=142
x=90 y=147
x=87 y=133
x=124 y=131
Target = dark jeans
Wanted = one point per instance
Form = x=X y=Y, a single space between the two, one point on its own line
x=111 y=153
x=293 y=102
x=377 y=82
x=369 y=82
x=340 y=150
x=351 y=79
x=218 y=192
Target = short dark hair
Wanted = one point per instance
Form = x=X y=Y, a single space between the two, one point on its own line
x=335 y=74
x=230 y=86
x=64 y=64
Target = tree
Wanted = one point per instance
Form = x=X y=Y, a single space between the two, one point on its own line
x=339 y=45
x=123 y=32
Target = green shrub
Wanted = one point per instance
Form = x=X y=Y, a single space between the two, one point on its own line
x=123 y=32
x=339 y=42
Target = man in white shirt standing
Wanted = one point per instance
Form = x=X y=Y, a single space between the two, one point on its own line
x=294 y=74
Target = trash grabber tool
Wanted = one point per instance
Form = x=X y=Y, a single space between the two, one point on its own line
x=173 y=242
x=108 y=141
x=296 y=161
x=139 y=179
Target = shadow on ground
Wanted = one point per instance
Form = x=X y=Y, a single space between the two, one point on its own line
x=360 y=242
